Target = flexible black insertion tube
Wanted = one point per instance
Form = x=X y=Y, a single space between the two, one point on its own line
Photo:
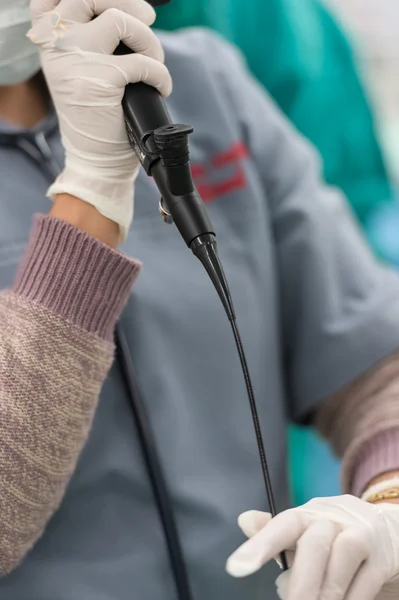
x=258 y=430
x=205 y=249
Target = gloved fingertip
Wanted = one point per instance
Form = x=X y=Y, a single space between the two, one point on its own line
x=167 y=89
x=282 y=582
x=242 y=566
x=252 y=521
x=148 y=14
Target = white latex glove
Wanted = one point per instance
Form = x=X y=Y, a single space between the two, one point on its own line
x=87 y=84
x=343 y=547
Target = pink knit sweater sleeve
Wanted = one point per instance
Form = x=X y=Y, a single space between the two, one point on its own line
x=56 y=330
x=362 y=424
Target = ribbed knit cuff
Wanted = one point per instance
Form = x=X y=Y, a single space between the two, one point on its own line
x=377 y=456
x=75 y=276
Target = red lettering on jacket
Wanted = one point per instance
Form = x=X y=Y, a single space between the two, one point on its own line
x=224 y=174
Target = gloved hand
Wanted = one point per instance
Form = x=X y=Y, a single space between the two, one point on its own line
x=87 y=84
x=343 y=548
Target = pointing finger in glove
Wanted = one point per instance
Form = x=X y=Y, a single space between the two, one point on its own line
x=280 y=533
x=252 y=521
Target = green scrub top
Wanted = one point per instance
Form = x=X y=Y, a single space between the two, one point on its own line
x=299 y=53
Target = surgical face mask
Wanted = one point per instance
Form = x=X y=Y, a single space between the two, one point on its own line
x=19 y=58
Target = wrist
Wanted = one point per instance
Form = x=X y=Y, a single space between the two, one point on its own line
x=111 y=196
x=74 y=276
x=384 y=477
x=383 y=489
x=87 y=218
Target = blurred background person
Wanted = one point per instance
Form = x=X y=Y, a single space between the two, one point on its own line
x=373 y=27
x=301 y=55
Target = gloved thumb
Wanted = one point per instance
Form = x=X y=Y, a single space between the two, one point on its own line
x=252 y=521
x=282 y=583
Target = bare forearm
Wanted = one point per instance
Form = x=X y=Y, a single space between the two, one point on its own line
x=388 y=476
x=86 y=218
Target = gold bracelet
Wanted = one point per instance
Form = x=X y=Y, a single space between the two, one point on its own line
x=390 y=494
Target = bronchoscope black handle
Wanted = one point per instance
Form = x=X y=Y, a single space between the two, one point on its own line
x=163 y=150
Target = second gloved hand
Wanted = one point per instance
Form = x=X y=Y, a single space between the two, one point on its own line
x=87 y=84
x=343 y=549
